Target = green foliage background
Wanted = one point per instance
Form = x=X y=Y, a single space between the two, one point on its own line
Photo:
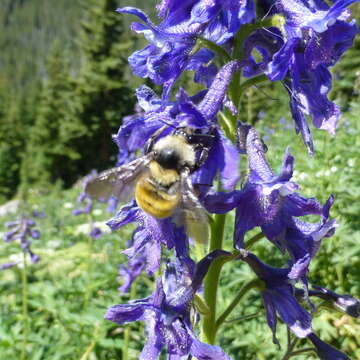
x=64 y=88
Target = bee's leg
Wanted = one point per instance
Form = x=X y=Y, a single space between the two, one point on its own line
x=151 y=141
x=202 y=158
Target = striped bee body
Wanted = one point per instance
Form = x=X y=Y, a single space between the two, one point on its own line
x=160 y=180
x=157 y=192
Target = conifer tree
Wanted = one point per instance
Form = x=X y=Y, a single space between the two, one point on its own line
x=77 y=115
x=48 y=148
x=15 y=119
x=103 y=96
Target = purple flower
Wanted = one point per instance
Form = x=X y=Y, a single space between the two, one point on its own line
x=95 y=232
x=23 y=230
x=228 y=20
x=278 y=297
x=131 y=271
x=88 y=204
x=168 y=54
x=197 y=112
x=167 y=312
x=345 y=303
x=84 y=197
x=34 y=257
x=172 y=41
x=149 y=235
x=317 y=15
x=316 y=37
x=7 y=265
x=86 y=209
x=39 y=214
x=266 y=42
x=302 y=239
x=269 y=201
x=325 y=351
x=112 y=205
x=138 y=128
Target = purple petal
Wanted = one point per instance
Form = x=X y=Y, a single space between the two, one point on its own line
x=96 y=232
x=34 y=258
x=130 y=272
x=336 y=11
x=152 y=348
x=203 y=11
x=270 y=314
x=204 y=351
x=259 y=167
x=126 y=215
x=266 y=42
x=11 y=235
x=230 y=173
x=222 y=202
x=330 y=46
x=134 y=11
x=279 y=66
x=7 y=265
x=213 y=100
x=302 y=125
x=35 y=234
x=147 y=98
x=203 y=265
x=290 y=311
x=11 y=224
x=325 y=351
x=346 y=303
x=122 y=314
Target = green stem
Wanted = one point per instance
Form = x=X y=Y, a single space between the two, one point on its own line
x=224 y=56
x=251 y=284
x=235 y=87
x=24 y=307
x=125 y=350
x=212 y=278
x=228 y=124
x=254 y=240
x=244 y=32
x=288 y=333
x=247 y=84
x=88 y=289
x=291 y=346
x=298 y=352
x=242 y=318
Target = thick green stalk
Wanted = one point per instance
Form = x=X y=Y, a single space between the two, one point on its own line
x=212 y=279
x=24 y=307
x=242 y=292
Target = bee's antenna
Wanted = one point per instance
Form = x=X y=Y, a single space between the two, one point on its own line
x=258 y=88
x=206 y=135
x=268 y=12
x=271 y=32
x=167 y=123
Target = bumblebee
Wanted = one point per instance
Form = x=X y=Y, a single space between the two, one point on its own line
x=160 y=179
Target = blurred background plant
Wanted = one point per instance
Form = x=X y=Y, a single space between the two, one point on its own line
x=59 y=62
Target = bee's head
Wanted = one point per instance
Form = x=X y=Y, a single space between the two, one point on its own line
x=167 y=158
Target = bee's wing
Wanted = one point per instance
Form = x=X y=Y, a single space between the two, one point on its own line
x=118 y=182
x=192 y=213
